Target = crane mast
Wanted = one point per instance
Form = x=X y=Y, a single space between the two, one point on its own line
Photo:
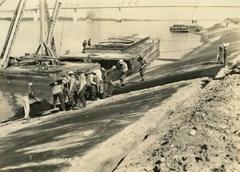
x=47 y=45
x=12 y=32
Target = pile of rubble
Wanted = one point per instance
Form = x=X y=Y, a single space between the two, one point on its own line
x=208 y=136
x=202 y=134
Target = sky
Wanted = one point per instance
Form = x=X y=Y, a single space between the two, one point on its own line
x=11 y=4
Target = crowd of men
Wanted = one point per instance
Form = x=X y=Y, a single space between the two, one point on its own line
x=75 y=89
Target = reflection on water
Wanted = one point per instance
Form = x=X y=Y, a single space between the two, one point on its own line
x=12 y=91
x=69 y=36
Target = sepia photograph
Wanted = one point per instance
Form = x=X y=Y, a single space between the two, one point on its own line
x=119 y=86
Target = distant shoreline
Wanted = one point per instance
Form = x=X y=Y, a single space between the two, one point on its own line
x=110 y=19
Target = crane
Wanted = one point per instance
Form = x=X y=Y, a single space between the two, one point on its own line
x=12 y=32
x=47 y=44
x=46 y=47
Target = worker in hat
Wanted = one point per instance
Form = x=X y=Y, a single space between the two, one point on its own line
x=225 y=47
x=66 y=87
x=57 y=92
x=84 y=44
x=107 y=82
x=73 y=89
x=220 y=53
x=91 y=85
x=143 y=63
x=123 y=67
x=82 y=90
x=28 y=100
x=99 y=82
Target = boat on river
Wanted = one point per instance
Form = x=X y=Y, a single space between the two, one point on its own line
x=181 y=28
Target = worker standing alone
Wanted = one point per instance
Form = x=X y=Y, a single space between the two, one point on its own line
x=220 y=53
x=57 y=92
x=84 y=44
x=123 y=69
x=73 y=89
x=28 y=100
x=143 y=63
x=225 y=47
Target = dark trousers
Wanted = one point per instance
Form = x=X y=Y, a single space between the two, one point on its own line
x=73 y=96
x=108 y=87
x=82 y=97
x=141 y=71
x=84 y=48
x=123 y=76
x=92 y=92
x=61 y=99
x=225 y=57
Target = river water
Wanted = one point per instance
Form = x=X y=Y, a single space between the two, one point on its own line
x=69 y=36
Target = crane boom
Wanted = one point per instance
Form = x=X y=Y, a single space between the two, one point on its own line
x=54 y=21
x=12 y=32
x=47 y=44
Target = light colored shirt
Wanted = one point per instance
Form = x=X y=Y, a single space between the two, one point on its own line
x=82 y=81
x=56 y=89
x=73 y=84
x=90 y=79
x=124 y=67
x=98 y=75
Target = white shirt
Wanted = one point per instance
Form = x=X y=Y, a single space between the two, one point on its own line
x=56 y=89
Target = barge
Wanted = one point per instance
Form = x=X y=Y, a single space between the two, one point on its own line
x=108 y=52
x=46 y=68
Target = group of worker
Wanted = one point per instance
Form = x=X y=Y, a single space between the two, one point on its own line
x=85 y=44
x=74 y=89
x=77 y=88
x=222 y=53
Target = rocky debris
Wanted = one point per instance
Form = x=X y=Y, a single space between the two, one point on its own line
x=210 y=139
x=203 y=137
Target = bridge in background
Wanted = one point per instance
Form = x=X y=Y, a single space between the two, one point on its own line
x=75 y=9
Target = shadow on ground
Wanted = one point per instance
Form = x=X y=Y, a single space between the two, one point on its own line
x=52 y=143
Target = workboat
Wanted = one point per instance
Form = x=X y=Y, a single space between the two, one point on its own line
x=185 y=28
x=44 y=63
x=179 y=28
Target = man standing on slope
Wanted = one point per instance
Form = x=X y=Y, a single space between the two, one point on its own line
x=143 y=64
x=123 y=69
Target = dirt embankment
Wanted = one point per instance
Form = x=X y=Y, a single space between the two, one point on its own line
x=109 y=154
x=204 y=136
x=197 y=129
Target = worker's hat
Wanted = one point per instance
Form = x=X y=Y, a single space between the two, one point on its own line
x=120 y=61
x=114 y=67
x=56 y=82
x=103 y=69
x=89 y=72
x=70 y=73
x=30 y=84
